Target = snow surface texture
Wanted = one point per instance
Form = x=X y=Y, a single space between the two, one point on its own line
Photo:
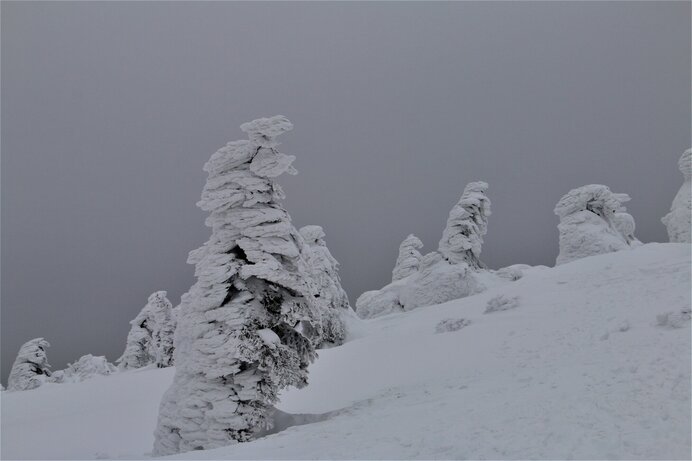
x=501 y=303
x=580 y=370
x=467 y=224
x=679 y=319
x=150 y=339
x=449 y=325
x=679 y=221
x=451 y=272
x=593 y=221
x=30 y=368
x=253 y=286
x=324 y=270
x=409 y=258
x=86 y=367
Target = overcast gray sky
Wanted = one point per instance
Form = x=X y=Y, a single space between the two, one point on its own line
x=109 y=111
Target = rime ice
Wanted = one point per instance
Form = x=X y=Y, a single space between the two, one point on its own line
x=253 y=286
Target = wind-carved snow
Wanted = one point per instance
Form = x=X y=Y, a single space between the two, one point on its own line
x=324 y=270
x=679 y=221
x=31 y=368
x=584 y=343
x=150 y=339
x=451 y=272
x=252 y=278
x=593 y=220
x=409 y=258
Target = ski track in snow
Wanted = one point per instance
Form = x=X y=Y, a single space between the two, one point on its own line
x=579 y=369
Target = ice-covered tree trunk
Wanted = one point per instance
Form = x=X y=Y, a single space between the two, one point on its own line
x=150 y=340
x=248 y=326
x=329 y=294
x=30 y=368
x=593 y=221
x=467 y=224
x=679 y=220
x=409 y=258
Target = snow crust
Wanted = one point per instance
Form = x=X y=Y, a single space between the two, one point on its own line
x=593 y=220
x=580 y=369
x=679 y=221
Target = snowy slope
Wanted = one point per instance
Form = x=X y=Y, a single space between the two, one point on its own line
x=580 y=369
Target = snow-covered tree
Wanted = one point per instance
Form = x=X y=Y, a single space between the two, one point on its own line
x=467 y=224
x=150 y=340
x=164 y=331
x=249 y=325
x=593 y=221
x=409 y=258
x=328 y=292
x=442 y=275
x=679 y=221
x=30 y=368
x=87 y=367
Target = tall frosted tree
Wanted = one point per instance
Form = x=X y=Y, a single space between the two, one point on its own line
x=679 y=220
x=330 y=296
x=150 y=340
x=593 y=220
x=462 y=238
x=30 y=368
x=409 y=258
x=249 y=325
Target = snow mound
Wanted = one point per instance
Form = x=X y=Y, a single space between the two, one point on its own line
x=582 y=370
